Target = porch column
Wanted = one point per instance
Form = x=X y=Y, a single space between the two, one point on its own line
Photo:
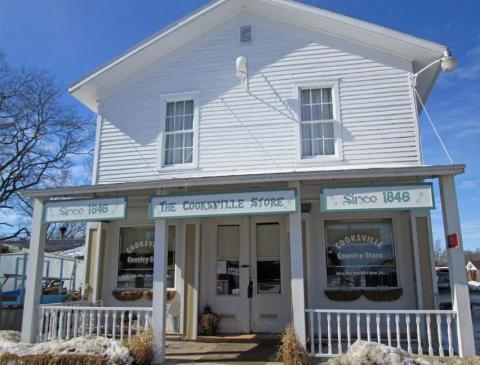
x=159 y=290
x=456 y=264
x=296 y=265
x=98 y=262
x=33 y=288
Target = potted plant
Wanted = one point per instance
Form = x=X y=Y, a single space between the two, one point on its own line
x=208 y=321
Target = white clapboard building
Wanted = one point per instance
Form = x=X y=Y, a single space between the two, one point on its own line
x=262 y=158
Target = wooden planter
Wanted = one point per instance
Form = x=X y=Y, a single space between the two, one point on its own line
x=130 y=295
x=343 y=295
x=375 y=295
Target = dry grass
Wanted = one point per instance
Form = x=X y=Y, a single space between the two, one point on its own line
x=48 y=359
x=435 y=360
x=141 y=348
x=291 y=351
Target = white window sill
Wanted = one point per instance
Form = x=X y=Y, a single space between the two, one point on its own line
x=173 y=168
x=320 y=160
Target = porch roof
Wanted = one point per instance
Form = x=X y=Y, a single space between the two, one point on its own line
x=334 y=175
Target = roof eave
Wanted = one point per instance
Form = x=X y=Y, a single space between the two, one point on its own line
x=418 y=172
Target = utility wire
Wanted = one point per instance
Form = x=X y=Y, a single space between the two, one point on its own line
x=433 y=125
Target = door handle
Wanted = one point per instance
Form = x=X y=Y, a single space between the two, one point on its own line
x=250 y=288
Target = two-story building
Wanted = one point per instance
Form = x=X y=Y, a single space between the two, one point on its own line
x=261 y=158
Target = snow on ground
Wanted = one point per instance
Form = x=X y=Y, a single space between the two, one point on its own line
x=363 y=353
x=474 y=285
x=112 y=350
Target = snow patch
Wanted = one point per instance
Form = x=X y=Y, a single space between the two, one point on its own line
x=367 y=353
x=113 y=351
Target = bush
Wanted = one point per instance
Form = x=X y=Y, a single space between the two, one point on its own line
x=141 y=348
x=291 y=351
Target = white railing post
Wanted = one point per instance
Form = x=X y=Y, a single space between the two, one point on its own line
x=397 y=329
x=122 y=319
x=40 y=327
x=329 y=333
x=419 y=335
x=429 y=335
x=312 y=332
x=114 y=324
x=339 y=334
x=389 y=331
x=69 y=324
x=409 y=340
x=75 y=324
x=369 y=335
x=378 y=328
x=449 y=334
x=105 y=329
x=130 y=316
x=91 y=318
x=359 y=333
x=349 y=334
x=319 y=326
x=439 y=333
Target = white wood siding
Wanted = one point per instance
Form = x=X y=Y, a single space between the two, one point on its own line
x=246 y=132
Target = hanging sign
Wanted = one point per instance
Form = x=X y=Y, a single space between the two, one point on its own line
x=85 y=210
x=208 y=205
x=419 y=196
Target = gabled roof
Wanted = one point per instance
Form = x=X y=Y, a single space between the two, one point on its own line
x=421 y=52
x=473 y=264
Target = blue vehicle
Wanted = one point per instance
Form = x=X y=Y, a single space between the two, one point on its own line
x=53 y=290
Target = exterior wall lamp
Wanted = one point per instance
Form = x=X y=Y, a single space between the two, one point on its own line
x=241 y=70
x=447 y=63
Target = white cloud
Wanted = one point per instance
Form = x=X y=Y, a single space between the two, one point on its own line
x=468 y=184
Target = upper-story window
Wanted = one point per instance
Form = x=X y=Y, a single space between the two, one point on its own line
x=317 y=122
x=179 y=132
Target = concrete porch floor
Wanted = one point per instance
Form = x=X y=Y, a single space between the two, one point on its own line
x=241 y=349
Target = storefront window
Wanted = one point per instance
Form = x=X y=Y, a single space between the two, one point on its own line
x=268 y=258
x=360 y=253
x=135 y=266
x=228 y=268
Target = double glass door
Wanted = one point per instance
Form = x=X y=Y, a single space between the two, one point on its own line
x=251 y=273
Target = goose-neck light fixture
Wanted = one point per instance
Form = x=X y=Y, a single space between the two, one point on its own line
x=241 y=70
x=447 y=63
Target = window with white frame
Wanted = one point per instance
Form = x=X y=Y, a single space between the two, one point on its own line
x=317 y=123
x=179 y=132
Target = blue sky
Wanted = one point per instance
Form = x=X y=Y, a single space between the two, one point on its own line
x=71 y=37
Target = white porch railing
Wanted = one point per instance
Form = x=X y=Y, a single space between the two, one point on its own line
x=65 y=322
x=432 y=332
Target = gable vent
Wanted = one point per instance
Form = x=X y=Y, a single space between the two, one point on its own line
x=246 y=35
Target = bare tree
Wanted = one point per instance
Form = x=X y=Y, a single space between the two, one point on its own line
x=39 y=136
x=439 y=254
